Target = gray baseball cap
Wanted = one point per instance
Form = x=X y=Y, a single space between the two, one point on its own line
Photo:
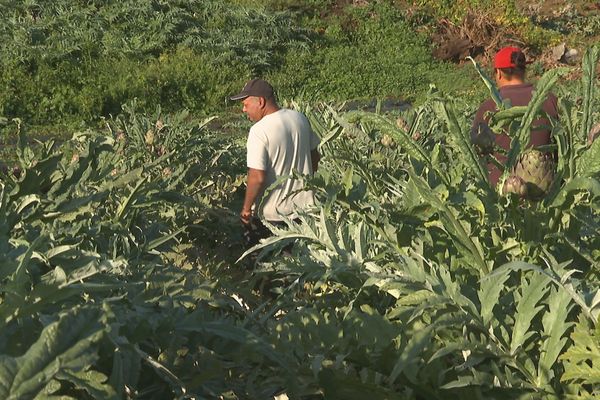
x=255 y=87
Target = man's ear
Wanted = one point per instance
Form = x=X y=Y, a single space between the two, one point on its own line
x=262 y=102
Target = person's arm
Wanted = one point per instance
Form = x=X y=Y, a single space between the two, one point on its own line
x=315 y=158
x=476 y=121
x=481 y=117
x=254 y=187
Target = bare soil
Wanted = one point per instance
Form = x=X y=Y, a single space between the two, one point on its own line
x=550 y=8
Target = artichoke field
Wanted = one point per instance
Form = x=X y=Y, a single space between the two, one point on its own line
x=438 y=285
x=412 y=278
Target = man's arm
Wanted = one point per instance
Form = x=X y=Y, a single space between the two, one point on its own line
x=254 y=186
x=315 y=158
x=481 y=117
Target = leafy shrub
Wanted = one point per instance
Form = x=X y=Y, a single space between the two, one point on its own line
x=367 y=52
x=65 y=91
x=63 y=63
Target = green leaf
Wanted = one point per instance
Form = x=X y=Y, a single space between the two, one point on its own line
x=555 y=327
x=412 y=353
x=561 y=281
x=582 y=359
x=452 y=224
x=543 y=89
x=127 y=365
x=68 y=344
x=589 y=162
x=20 y=281
x=500 y=119
x=461 y=139
x=36 y=177
x=522 y=137
x=347 y=180
x=26 y=201
x=494 y=92
x=564 y=197
x=489 y=294
x=130 y=200
x=90 y=381
x=533 y=290
x=164 y=239
x=589 y=65
x=339 y=386
x=404 y=139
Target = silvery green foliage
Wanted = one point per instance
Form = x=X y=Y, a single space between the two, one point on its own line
x=410 y=279
x=57 y=31
x=91 y=306
x=414 y=279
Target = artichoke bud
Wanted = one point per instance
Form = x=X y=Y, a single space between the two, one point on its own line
x=387 y=140
x=149 y=137
x=516 y=185
x=401 y=123
x=536 y=169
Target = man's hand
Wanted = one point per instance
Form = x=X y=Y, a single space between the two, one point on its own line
x=246 y=216
x=315 y=158
x=254 y=186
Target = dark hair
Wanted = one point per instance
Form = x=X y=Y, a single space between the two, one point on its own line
x=518 y=59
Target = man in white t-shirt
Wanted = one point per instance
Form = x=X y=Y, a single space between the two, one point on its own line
x=280 y=143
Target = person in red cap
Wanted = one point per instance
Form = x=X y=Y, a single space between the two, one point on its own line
x=509 y=72
x=280 y=143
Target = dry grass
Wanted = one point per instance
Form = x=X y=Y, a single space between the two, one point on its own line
x=477 y=35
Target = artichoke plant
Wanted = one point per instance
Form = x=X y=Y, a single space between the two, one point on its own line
x=536 y=170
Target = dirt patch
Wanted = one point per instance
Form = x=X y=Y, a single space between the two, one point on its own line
x=551 y=8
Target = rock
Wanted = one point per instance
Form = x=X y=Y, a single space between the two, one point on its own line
x=559 y=51
x=570 y=57
x=563 y=54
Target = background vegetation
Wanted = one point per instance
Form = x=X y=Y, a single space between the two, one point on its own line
x=412 y=278
x=65 y=62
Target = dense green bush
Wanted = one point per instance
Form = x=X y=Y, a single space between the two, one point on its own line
x=367 y=52
x=66 y=63
x=77 y=63
x=179 y=79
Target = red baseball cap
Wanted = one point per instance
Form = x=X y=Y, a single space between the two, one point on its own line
x=503 y=58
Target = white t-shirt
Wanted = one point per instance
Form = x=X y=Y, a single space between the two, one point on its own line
x=278 y=144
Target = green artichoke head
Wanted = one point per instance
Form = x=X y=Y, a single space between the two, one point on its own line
x=387 y=141
x=536 y=169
